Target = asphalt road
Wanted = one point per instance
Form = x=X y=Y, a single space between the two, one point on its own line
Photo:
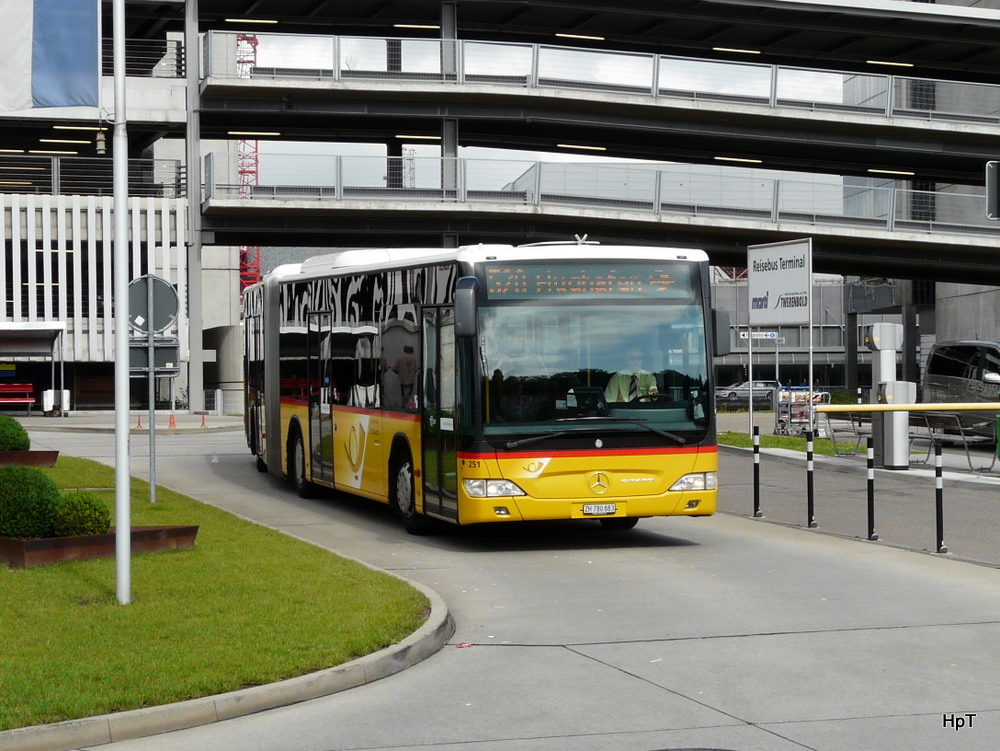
x=718 y=633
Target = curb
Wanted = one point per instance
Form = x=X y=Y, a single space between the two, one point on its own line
x=91 y=428
x=430 y=638
x=140 y=431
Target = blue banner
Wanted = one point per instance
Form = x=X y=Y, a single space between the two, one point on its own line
x=64 y=53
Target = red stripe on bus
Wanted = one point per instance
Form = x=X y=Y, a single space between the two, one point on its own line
x=591 y=452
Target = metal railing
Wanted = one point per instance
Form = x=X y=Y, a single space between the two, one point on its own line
x=538 y=66
x=657 y=189
x=146 y=58
x=933 y=422
x=89 y=176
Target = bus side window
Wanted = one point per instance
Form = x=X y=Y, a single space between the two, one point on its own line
x=399 y=363
x=365 y=391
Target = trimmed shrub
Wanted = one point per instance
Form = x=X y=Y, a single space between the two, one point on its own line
x=843 y=396
x=28 y=500
x=81 y=513
x=13 y=436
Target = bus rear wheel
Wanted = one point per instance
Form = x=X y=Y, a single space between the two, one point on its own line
x=255 y=447
x=297 y=468
x=404 y=499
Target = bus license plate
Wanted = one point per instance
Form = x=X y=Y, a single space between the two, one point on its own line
x=599 y=509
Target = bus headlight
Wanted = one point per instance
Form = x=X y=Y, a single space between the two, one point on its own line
x=697 y=481
x=491 y=488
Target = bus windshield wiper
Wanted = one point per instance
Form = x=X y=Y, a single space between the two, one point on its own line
x=534 y=439
x=627 y=421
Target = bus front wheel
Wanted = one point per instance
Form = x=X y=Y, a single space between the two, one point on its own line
x=404 y=499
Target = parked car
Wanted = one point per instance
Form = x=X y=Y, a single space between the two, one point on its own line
x=966 y=371
x=738 y=391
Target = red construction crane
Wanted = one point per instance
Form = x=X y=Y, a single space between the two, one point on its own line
x=731 y=273
x=247 y=162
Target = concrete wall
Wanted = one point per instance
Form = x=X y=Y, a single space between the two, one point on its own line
x=223 y=333
x=966 y=311
x=221 y=283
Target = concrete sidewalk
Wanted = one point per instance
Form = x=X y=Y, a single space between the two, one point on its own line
x=905 y=503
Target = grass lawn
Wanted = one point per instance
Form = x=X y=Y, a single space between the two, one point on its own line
x=822 y=446
x=247 y=606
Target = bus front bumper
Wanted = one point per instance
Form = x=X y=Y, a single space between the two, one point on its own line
x=526 y=508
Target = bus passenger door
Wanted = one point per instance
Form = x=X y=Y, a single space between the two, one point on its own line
x=253 y=375
x=320 y=390
x=438 y=413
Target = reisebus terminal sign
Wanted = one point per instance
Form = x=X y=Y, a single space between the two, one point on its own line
x=779 y=282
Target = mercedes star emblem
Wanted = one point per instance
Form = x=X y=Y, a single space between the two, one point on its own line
x=599 y=483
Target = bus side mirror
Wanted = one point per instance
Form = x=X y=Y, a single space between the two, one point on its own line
x=720 y=333
x=466 y=318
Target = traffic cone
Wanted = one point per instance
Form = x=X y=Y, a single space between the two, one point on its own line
x=171 y=423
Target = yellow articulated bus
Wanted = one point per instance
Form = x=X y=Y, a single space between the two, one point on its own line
x=490 y=383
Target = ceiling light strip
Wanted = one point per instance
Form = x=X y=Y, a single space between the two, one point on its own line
x=587 y=37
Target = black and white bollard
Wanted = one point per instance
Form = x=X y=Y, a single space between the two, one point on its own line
x=871 y=489
x=810 y=496
x=756 y=472
x=939 y=498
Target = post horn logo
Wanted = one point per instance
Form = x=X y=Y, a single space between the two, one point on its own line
x=355 y=448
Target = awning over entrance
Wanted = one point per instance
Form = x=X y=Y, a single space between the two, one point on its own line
x=36 y=339
x=32 y=339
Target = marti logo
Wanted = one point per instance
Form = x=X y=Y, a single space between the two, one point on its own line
x=759 y=303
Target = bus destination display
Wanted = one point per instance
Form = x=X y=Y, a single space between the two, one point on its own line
x=543 y=280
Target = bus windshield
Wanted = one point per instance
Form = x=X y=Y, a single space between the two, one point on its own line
x=636 y=365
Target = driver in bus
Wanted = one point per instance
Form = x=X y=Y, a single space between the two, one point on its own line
x=631 y=383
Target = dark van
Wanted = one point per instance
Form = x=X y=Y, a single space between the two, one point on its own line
x=967 y=371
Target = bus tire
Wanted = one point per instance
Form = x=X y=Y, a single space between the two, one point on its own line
x=297 y=467
x=620 y=522
x=404 y=497
x=261 y=465
x=254 y=441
